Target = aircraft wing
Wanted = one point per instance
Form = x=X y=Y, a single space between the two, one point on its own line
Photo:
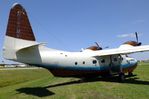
x=121 y=50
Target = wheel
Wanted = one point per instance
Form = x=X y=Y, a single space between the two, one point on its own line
x=121 y=77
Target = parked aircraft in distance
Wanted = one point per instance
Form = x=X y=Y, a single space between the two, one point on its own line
x=20 y=45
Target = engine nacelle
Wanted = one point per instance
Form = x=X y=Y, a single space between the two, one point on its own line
x=94 y=48
x=133 y=43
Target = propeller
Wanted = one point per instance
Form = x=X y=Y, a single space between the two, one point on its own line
x=136 y=36
x=134 y=43
x=97 y=44
x=98 y=47
x=137 y=39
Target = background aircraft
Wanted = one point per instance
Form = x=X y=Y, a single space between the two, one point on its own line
x=20 y=45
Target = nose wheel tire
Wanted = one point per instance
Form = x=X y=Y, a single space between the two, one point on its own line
x=121 y=77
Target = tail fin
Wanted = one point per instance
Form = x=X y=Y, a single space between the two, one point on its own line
x=19 y=25
x=19 y=33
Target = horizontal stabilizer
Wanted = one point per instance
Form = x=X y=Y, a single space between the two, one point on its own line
x=30 y=46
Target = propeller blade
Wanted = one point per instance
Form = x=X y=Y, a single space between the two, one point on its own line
x=136 y=36
x=97 y=44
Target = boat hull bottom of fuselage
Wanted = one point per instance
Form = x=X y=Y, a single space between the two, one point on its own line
x=59 y=72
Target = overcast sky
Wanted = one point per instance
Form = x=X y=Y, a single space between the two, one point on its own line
x=74 y=24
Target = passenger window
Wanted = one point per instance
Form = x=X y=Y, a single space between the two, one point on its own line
x=103 y=61
x=94 y=61
x=76 y=63
x=83 y=62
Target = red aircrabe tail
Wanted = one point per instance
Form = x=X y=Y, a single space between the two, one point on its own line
x=19 y=34
x=19 y=25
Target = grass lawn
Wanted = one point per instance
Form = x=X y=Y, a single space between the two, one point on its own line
x=39 y=83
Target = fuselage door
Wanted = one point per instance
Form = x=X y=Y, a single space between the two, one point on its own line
x=115 y=65
x=104 y=62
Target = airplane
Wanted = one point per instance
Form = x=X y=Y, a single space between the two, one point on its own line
x=20 y=45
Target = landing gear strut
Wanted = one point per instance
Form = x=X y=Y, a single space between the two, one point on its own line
x=130 y=74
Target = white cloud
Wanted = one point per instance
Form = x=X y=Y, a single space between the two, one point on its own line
x=138 y=21
x=126 y=35
x=132 y=35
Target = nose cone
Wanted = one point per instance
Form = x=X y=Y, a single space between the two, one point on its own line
x=133 y=62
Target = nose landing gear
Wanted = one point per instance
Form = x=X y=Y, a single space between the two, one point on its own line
x=130 y=74
x=121 y=77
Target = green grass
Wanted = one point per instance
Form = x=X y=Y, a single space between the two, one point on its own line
x=1 y=66
x=39 y=83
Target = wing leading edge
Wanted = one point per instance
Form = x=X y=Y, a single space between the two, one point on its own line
x=121 y=50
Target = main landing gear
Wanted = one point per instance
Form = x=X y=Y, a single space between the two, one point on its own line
x=122 y=76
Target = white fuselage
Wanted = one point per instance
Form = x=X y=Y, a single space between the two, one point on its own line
x=77 y=61
x=56 y=60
